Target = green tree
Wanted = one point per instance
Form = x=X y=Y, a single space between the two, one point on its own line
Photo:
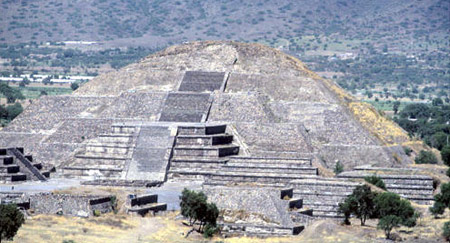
x=376 y=181
x=14 y=110
x=347 y=208
x=396 y=106
x=426 y=157
x=446 y=231
x=437 y=208
x=445 y=154
x=387 y=223
x=365 y=202
x=439 y=140
x=437 y=102
x=195 y=207
x=389 y=203
x=74 y=86
x=10 y=221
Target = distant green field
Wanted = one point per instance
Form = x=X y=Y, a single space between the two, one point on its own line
x=35 y=92
x=387 y=105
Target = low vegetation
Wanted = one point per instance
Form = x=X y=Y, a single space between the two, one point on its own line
x=10 y=221
x=441 y=200
x=426 y=157
x=376 y=181
x=388 y=207
x=196 y=209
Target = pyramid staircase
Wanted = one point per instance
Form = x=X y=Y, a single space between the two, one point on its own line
x=200 y=150
x=104 y=156
x=16 y=166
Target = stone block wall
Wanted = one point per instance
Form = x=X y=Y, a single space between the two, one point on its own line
x=72 y=205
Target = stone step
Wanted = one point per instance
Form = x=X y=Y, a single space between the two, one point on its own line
x=199 y=160
x=95 y=161
x=106 y=149
x=202 y=81
x=122 y=129
x=13 y=177
x=326 y=214
x=418 y=182
x=321 y=181
x=411 y=192
x=269 y=178
x=410 y=187
x=267 y=165
x=204 y=140
x=271 y=160
x=194 y=166
x=201 y=129
x=90 y=172
x=213 y=151
x=188 y=175
x=316 y=189
x=102 y=156
x=7 y=160
x=9 y=169
x=259 y=230
x=144 y=209
x=295 y=203
x=262 y=169
x=114 y=140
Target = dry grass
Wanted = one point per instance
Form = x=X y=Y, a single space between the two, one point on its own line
x=167 y=228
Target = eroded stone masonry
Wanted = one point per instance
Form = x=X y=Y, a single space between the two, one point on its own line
x=254 y=126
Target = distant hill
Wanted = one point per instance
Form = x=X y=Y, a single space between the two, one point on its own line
x=164 y=22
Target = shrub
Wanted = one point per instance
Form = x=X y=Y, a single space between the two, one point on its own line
x=446 y=231
x=387 y=223
x=74 y=86
x=389 y=203
x=348 y=207
x=10 y=221
x=195 y=207
x=426 y=157
x=338 y=168
x=407 y=150
x=359 y=203
x=448 y=172
x=375 y=180
x=445 y=154
x=437 y=208
x=209 y=230
x=97 y=213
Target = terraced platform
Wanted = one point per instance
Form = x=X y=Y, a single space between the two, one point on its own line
x=16 y=166
x=408 y=184
x=200 y=150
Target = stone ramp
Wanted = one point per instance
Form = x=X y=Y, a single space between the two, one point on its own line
x=151 y=155
x=16 y=166
x=197 y=81
x=185 y=107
